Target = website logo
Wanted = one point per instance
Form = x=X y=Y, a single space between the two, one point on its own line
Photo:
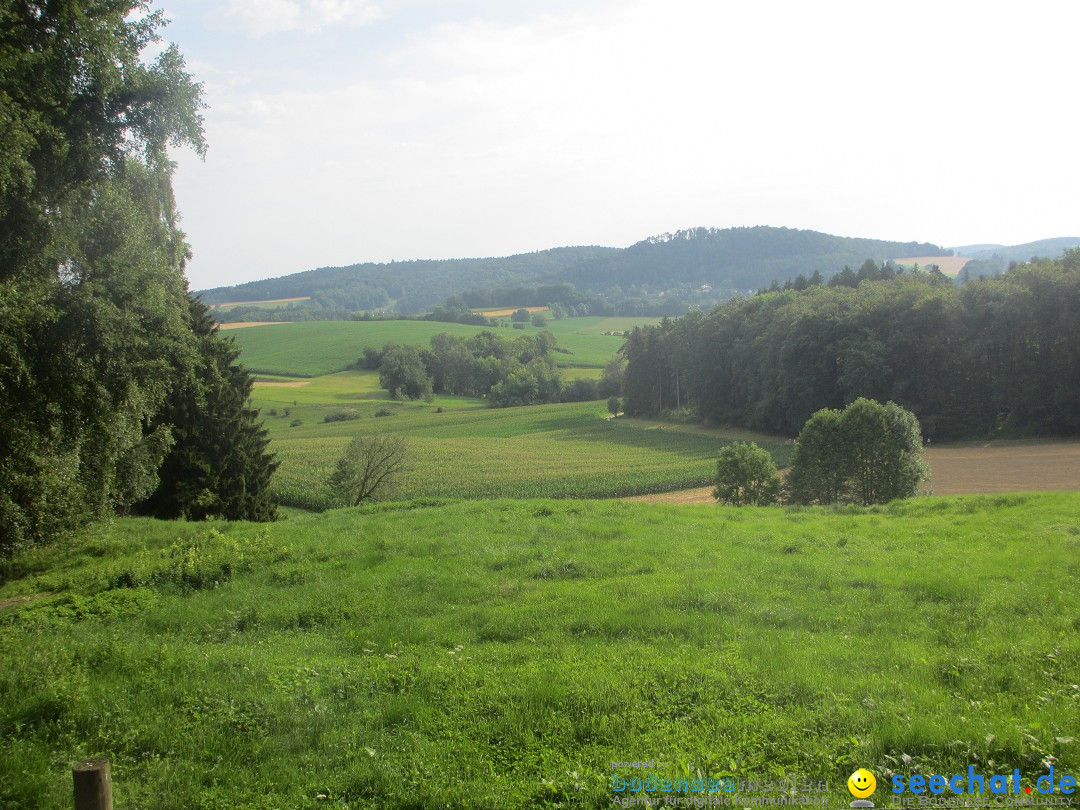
x=862 y=785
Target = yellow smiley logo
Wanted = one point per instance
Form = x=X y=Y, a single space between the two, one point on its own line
x=861 y=783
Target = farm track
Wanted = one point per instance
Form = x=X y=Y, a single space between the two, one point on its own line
x=965 y=470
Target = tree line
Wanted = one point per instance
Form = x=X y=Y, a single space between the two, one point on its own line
x=505 y=371
x=117 y=394
x=997 y=353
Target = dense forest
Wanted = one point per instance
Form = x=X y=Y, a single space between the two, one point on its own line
x=997 y=353
x=663 y=275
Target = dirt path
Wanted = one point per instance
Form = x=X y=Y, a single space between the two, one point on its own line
x=967 y=470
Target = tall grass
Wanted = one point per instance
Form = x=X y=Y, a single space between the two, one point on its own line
x=504 y=653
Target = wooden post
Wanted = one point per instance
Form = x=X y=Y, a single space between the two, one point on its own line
x=93 y=784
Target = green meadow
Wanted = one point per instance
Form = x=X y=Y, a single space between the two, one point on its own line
x=459 y=447
x=314 y=348
x=502 y=654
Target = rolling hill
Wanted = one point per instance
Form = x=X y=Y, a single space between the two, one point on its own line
x=722 y=262
x=1048 y=248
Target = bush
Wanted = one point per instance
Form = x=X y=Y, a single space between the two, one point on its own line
x=746 y=475
x=614 y=405
x=296 y=423
x=384 y=412
x=346 y=415
x=519 y=326
x=539 y=320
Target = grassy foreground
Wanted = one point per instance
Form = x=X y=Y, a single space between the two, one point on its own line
x=504 y=653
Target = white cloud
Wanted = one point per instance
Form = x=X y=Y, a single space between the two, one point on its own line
x=483 y=136
x=345 y=12
x=261 y=17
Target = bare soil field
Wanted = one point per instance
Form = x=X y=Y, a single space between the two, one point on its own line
x=1011 y=466
x=1004 y=466
x=243 y=324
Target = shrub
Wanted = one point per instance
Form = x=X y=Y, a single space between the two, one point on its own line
x=296 y=423
x=746 y=475
x=346 y=415
x=384 y=412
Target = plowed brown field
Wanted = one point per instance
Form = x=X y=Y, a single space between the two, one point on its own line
x=968 y=470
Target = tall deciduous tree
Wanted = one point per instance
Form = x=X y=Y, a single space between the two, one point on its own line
x=92 y=295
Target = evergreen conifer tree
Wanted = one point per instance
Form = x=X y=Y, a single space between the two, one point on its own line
x=218 y=465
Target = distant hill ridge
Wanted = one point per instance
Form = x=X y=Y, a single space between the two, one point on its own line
x=720 y=261
x=1047 y=248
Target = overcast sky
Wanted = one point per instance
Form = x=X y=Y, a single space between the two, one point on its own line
x=343 y=131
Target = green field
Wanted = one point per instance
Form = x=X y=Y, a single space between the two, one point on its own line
x=503 y=654
x=313 y=348
x=472 y=451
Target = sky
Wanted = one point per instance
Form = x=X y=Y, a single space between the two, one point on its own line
x=344 y=131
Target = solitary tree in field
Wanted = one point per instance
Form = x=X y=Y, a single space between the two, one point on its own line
x=370 y=466
x=746 y=475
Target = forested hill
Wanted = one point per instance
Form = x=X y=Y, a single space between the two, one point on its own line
x=738 y=259
x=727 y=261
x=415 y=286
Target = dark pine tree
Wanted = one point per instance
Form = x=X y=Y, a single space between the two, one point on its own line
x=219 y=465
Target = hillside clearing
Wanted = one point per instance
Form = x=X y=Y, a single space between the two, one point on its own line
x=950 y=265
x=264 y=303
x=504 y=313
